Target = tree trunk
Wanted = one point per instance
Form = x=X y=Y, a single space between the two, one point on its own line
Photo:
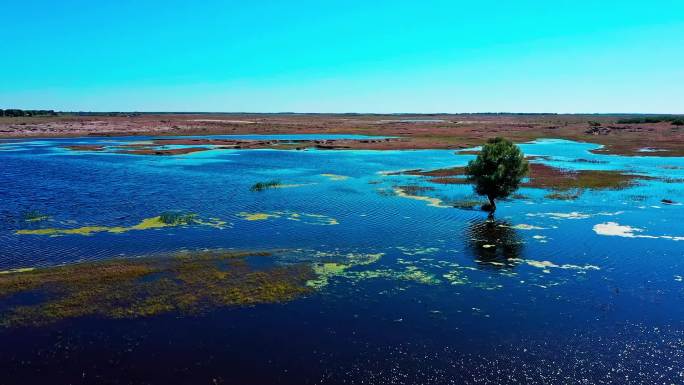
x=492 y=204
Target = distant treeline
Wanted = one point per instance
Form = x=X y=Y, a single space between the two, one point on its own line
x=17 y=112
x=14 y=112
x=87 y=113
x=676 y=120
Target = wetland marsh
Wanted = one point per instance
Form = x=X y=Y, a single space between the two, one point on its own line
x=212 y=263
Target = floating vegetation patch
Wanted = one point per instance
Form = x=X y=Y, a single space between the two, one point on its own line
x=409 y=274
x=572 y=215
x=417 y=250
x=540 y=238
x=414 y=274
x=456 y=277
x=169 y=219
x=524 y=226
x=257 y=216
x=432 y=202
x=353 y=267
x=261 y=186
x=616 y=230
x=309 y=219
x=335 y=177
x=546 y=265
x=335 y=264
x=188 y=282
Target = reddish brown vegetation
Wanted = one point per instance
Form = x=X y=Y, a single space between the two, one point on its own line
x=445 y=131
x=440 y=176
x=543 y=176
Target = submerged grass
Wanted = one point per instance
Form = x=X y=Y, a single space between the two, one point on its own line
x=466 y=204
x=188 y=282
x=415 y=189
x=565 y=195
x=33 y=216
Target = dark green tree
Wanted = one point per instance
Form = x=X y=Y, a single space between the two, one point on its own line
x=497 y=171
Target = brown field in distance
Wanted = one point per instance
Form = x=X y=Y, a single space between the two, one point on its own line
x=420 y=131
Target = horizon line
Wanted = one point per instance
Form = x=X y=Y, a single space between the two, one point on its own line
x=336 y=113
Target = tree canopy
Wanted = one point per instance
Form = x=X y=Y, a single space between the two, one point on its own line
x=498 y=170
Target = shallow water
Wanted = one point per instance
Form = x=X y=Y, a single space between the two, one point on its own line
x=581 y=291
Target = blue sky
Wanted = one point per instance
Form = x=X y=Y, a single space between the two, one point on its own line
x=344 y=56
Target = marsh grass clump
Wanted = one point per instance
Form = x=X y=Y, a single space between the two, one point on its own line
x=175 y=218
x=189 y=282
x=571 y=184
x=543 y=176
x=261 y=186
x=602 y=179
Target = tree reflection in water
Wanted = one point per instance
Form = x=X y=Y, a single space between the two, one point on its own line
x=494 y=243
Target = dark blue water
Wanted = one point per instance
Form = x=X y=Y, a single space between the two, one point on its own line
x=582 y=291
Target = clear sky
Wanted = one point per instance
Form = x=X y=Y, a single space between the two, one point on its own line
x=343 y=56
